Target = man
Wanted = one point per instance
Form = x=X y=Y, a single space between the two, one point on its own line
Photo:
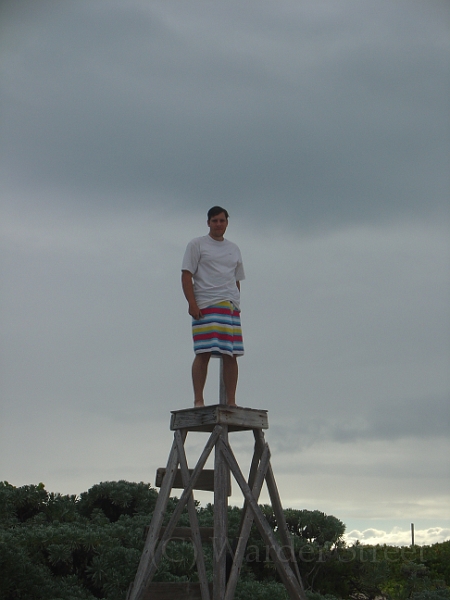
x=211 y=273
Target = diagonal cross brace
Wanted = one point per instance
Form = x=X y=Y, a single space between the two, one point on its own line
x=293 y=586
x=246 y=525
x=155 y=524
x=150 y=559
x=275 y=500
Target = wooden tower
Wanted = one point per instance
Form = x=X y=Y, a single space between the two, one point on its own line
x=219 y=420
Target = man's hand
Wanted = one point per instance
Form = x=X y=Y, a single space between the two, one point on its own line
x=188 y=289
x=195 y=312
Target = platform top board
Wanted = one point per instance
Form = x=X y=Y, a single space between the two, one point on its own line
x=206 y=417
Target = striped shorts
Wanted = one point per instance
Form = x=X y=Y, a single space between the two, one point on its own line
x=219 y=331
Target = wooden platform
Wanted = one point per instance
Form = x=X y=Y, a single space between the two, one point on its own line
x=206 y=418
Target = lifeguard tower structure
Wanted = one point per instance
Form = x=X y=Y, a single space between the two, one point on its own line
x=218 y=420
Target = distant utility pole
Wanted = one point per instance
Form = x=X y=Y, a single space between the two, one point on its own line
x=412 y=534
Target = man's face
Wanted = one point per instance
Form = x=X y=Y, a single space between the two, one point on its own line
x=217 y=226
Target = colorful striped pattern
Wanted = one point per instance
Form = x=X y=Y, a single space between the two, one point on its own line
x=219 y=331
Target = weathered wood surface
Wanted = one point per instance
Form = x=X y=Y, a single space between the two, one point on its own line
x=219 y=420
x=288 y=547
x=206 y=417
x=205 y=481
x=182 y=503
x=254 y=467
x=151 y=556
x=193 y=519
x=221 y=475
x=141 y=578
x=174 y=591
x=246 y=525
x=293 y=586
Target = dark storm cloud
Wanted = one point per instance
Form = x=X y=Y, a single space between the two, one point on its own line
x=325 y=113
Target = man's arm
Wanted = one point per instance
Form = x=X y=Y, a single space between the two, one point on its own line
x=188 y=290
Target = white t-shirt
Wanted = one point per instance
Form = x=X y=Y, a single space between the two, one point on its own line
x=215 y=267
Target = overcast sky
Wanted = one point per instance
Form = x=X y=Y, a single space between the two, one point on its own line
x=323 y=127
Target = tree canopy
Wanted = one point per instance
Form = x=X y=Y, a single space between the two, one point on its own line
x=65 y=547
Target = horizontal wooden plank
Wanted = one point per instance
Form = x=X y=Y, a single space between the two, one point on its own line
x=205 y=418
x=162 y=590
x=205 y=481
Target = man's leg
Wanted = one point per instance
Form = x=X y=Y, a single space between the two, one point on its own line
x=230 y=377
x=199 y=373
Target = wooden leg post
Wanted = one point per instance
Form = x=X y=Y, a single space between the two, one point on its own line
x=278 y=509
x=196 y=538
x=141 y=578
x=151 y=557
x=246 y=525
x=220 y=541
x=288 y=577
x=221 y=478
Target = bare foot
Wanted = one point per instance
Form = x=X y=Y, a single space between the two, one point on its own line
x=232 y=404
x=198 y=404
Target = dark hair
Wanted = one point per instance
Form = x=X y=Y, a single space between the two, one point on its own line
x=216 y=210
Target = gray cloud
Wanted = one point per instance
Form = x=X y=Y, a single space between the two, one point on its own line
x=387 y=420
x=335 y=115
x=323 y=127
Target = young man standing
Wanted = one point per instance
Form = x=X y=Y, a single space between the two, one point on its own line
x=211 y=273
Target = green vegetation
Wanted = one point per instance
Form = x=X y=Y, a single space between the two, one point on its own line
x=57 y=547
